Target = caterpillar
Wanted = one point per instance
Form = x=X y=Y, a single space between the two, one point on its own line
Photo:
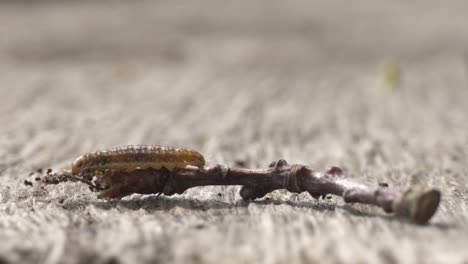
x=130 y=158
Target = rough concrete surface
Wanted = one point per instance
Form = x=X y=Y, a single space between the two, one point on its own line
x=251 y=81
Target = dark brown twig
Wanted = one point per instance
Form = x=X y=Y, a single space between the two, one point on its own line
x=416 y=204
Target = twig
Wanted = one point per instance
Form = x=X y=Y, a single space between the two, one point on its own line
x=415 y=203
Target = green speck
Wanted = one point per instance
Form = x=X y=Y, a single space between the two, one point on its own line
x=391 y=76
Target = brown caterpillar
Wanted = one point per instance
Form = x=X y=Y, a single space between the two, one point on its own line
x=130 y=158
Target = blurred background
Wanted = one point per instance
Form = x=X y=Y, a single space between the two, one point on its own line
x=254 y=33
x=379 y=88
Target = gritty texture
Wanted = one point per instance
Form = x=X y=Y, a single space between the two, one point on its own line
x=244 y=84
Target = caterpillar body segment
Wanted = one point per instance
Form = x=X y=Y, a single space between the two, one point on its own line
x=129 y=158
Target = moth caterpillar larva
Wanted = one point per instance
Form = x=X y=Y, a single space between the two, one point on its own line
x=129 y=158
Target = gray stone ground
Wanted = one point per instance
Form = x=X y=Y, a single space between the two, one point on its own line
x=253 y=82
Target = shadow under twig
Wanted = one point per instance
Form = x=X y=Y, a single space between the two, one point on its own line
x=394 y=218
x=163 y=203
